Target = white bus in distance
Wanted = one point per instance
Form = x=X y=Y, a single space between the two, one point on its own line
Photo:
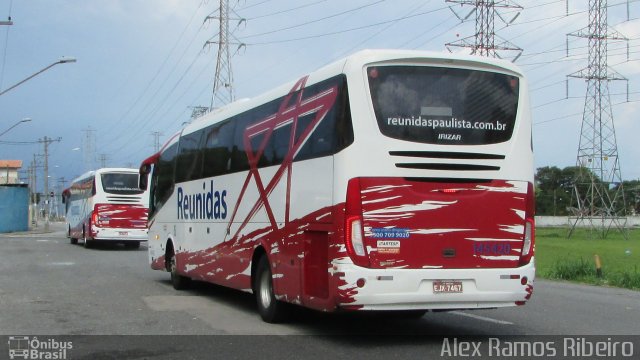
x=107 y=205
x=388 y=180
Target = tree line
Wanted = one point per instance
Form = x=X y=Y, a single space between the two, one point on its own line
x=556 y=195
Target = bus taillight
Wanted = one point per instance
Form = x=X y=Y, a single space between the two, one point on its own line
x=529 y=228
x=353 y=230
x=99 y=219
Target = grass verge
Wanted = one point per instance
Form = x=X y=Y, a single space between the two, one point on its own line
x=573 y=259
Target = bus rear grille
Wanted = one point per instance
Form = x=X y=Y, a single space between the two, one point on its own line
x=453 y=167
x=447 y=155
x=125 y=199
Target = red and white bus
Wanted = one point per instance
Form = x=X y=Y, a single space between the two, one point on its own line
x=107 y=205
x=389 y=180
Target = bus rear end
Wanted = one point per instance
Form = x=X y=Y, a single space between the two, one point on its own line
x=120 y=208
x=444 y=216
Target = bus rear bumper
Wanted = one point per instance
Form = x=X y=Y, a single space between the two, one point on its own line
x=403 y=289
x=120 y=234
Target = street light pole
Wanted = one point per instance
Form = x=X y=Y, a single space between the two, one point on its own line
x=61 y=61
x=14 y=125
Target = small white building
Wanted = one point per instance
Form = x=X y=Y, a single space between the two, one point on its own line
x=9 y=171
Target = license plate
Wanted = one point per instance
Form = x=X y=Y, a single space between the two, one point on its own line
x=123 y=232
x=447 y=287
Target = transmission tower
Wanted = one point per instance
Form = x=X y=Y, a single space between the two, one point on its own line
x=197 y=111
x=223 y=80
x=485 y=42
x=598 y=191
x=102 y=159
x=156 y=140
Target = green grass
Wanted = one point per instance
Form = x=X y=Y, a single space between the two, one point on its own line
x=559 y=257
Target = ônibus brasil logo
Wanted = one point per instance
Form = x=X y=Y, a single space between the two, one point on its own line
x=208 y=205
x=32 y=348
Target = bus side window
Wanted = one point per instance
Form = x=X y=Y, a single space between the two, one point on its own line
x=239 y=159
x=189 y=162
x=335 y=131
x=163 y=178
x=218 y=145
x=280 y=139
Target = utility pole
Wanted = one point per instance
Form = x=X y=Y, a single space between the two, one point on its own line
x=598 y=192
x=223 y=80
x=88 y=148
x=47 y=141
x=33 y=193
x=61 y=186
x=483 y=42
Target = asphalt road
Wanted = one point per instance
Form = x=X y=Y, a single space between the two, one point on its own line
x=55 y=290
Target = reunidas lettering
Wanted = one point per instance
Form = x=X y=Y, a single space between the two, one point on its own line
x=205 y=205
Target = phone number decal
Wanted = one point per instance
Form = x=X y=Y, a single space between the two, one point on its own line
x=395 y=233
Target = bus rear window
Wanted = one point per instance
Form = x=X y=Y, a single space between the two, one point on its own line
x=437 y=105
x=120 y=184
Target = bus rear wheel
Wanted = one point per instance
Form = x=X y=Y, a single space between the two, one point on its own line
x=271 y=310
x=87 y=243
x=178 y=281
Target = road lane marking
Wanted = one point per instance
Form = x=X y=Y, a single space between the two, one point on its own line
x=483 y=318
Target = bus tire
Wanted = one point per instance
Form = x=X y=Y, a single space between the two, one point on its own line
x=88 y=244
x=271 y=310
x=72 y=240
x=178 y=281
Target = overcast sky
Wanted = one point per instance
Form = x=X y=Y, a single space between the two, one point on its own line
x=142 y=65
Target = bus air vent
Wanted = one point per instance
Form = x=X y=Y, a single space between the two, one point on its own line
x=124 y=199
x=447 y=155
x=445 y=166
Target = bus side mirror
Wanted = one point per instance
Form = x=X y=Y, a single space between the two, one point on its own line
x=145 y=169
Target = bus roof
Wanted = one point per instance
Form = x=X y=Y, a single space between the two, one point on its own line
x=91 y=173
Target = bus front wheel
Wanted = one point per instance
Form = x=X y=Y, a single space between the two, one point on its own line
x=178 y=281
x=271 y=310
x=72 y=240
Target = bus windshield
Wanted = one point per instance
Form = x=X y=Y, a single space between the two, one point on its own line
x=444 y=106
x=120 y=183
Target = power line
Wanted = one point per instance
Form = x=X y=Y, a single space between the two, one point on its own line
x=155 y=76
x=285 y=11
x=313 y=21
x=379 y=31
x=578 y=113
x=338 y=32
